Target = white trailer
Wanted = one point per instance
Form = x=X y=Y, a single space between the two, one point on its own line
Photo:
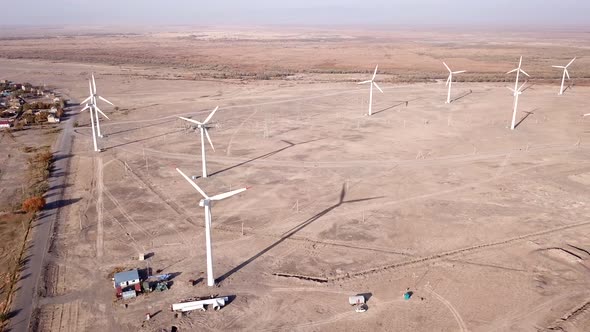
x=216 y=303
x=356 y=300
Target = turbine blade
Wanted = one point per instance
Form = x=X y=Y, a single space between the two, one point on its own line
x=106 y=101
x=99 y=111
x=567 y=74
x=511 y=89
x=190 y=120
x=574 y=59
x=460 y=72
x=85 y=108
x=86 y=100
x=449 y=79
x=512 y=71
x=524 y=72
x=209 y=138
x=365 y=82
x=90 y=88
x=228 y=194
x=449 y=69
x=375 y=73
x=377 y=87
x=560 y=67
x=94 y=83
x=210 y=115
x=520 y=62
x=192 y=184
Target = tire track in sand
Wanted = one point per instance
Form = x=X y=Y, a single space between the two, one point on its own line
x=456 y=315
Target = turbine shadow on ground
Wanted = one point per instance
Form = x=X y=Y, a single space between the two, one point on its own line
x=143 y=139
x=528 y=87
x=142 y=127
x=524 y=117
x=272 y=153
x=294 y=231
x=406 y=102
x=569 y=87
x=462 y=96
x=390 y=107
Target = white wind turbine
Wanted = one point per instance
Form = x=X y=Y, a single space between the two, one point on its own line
x=203 y=129
x=90 y=107
x=565 y=72
x=518 y=71
x=450 y=80
x=372 y=82
x=93 y=101
x=206 y=203
x=516 y=93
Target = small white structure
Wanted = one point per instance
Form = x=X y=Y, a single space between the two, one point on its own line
x=131 y=294
x=126 y=279
x=216 y=303
x=203 y=129
x=52 y=119
x=4 y=124
x=372 y=83
x=356 y=300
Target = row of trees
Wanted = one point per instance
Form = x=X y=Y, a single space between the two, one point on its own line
x=39 y=169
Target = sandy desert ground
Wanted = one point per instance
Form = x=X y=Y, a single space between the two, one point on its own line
x=488 y=227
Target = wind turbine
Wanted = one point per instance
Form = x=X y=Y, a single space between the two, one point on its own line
x=203 y=129
x=372 y=82
x=93 y=100
x=206 y=203
x=90 y=107
x=518 y=71
x=565 y=72
x=516 y=93
x=450 y=80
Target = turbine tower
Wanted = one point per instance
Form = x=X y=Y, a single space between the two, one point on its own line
x=372 y=82
x=90 y=108
x=93 y=101
x=203 y=129
x=206 y=204
x=565 y=72
x=516 y=93
x=450 y=80
x=518 y=71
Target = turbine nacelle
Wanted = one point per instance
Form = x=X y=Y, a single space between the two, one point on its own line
x=518 y=91
x=519 y=69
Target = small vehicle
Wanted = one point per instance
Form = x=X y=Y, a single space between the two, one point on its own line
x=361 y=308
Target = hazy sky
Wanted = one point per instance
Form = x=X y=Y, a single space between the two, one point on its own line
x=313 y=12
